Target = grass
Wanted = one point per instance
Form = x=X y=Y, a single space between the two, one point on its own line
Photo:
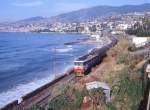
x=71 y=99
x=126 y=83
x=35 y=108
x=110 y=106
x=127 y=90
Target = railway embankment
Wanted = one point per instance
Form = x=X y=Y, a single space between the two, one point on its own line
x=119 y=71
x=42 y=95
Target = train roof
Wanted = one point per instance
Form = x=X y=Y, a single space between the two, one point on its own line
x=90 y=55
x=96 y=51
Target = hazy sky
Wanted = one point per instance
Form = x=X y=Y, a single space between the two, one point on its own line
x=19 y=9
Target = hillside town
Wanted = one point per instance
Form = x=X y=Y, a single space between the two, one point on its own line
x=117 y=24
x=115 y=75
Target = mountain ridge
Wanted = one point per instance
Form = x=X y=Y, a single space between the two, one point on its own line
x=87 y=13
x=30 y=20
x=99 y=11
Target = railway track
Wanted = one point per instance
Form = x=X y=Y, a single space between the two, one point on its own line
x=51 y=95
x=67 y=80
x=43 y=95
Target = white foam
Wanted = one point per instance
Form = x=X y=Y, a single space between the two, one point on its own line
x=21 y=90
x=70 y=46
x=90 y=50
x=63 y=50
x=46 y=50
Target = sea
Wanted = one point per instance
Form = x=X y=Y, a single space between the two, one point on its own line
x=30 y=60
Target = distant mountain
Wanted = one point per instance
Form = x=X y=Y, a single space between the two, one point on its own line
x=30 y=20
x=99 y=11
x=84 y=14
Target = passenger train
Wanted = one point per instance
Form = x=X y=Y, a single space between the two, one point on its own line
x=84 y=64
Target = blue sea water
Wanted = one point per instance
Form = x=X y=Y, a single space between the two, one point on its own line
x=30 y=60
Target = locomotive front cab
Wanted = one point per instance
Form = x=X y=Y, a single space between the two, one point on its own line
x=79 y=68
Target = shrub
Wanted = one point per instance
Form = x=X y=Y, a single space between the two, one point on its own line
x=58 y=103
x=70 y=100
x=98 y=94
x=110 y=106
x=79 y=98
x=123 y=58
x=120 y=48
x=126 y=89
x=35 y=107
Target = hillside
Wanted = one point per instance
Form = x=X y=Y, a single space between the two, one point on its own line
x=84 y=14
x=100 y=11
x=31 y=20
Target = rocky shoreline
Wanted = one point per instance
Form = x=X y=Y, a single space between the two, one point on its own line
x=43 y=93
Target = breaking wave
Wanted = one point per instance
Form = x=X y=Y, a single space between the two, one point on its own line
x=63 y=50
x=22 y=89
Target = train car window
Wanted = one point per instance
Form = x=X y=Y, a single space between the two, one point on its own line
x=75 y=63
x=78 y=63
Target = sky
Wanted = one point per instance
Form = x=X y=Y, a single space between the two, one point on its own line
x=12 y=10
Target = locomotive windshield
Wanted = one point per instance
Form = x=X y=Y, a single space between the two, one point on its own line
x=78 y=63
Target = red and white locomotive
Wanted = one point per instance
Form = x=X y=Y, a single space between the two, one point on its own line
x=84 y=64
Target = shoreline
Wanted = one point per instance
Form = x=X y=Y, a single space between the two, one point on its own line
x=36 y=91
x=46 y=32
x=37 y=95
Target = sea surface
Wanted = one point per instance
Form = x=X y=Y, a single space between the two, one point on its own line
x=30 y=60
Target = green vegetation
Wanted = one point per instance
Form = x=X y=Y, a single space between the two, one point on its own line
x=70 y=99
x=141 y=29
x=59 y=103
x=36 y=108
x=126 y=83
x=127 y=87
x=111 y=106
x=98 y=97
x=123 y=58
